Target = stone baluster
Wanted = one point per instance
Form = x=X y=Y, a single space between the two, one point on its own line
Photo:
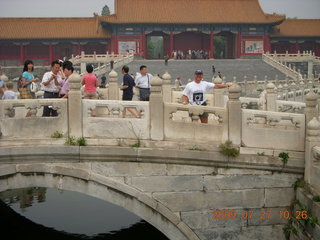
x=271 y=97
x=311 y=106
x=294 y=90
x=166 y=88
x=235 y=114
x=176 y=84
x=75 y=106
x=312 y=140
x=218 y=97
x=280 y=91
x=4 y=78
x=156 y=107
x=286 y=91
x=276 y=80
x=82 y=63
x=255 y=80
x=309 y=84
x=265 y=81
x=302 y=88
x=245 y=81
x=113 y=90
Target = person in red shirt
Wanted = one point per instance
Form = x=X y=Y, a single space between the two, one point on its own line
x=91 y=83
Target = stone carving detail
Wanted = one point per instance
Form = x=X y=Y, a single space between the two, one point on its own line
x=278 y=122
x=183 y=114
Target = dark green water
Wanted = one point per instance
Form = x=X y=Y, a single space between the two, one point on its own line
x=42 y=213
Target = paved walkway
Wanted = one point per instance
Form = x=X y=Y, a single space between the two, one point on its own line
x=229 y=68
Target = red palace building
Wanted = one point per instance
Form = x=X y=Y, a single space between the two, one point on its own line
x=154 y=29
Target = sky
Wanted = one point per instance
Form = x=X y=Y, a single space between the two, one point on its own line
x=81 y=8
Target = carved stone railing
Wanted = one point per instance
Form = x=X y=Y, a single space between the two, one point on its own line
x=290 y=106
x=15 y=124
x=97 y=58
x=182 y=122
x=118 y=62
x=110 y=122
x=293 y=57
x=272 y=130
x=281 y=67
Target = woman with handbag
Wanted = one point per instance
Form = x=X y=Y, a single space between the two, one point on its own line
x=27 y=79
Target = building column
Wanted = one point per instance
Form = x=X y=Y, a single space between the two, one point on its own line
x=22 y=54
x=238 y=45
x=143 y=47
x=171 y=44
x=50 y=53
x=114 y=44
x=211 y=55
x=267 y=46
x=79 y=49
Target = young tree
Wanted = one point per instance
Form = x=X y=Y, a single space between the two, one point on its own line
x=105 y=11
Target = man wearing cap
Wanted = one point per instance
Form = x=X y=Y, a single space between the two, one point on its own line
x=195 y=91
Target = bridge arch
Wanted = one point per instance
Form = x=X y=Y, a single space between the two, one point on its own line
x=82 y=180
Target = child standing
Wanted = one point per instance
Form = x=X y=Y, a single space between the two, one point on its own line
x=9 y=94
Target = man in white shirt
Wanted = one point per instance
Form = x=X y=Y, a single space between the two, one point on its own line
x=51 y=85
x=142 y=81
x=195 y=91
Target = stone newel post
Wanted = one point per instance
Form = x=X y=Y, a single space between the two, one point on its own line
x=312 y=139
x=166 y=88
x=235 y=114
x=156 y=107
x=4 y=78
x=113 y=89
x=75 y=106
x=311 y=106
x=82 y=64
x=271 y=97
x=218 y=93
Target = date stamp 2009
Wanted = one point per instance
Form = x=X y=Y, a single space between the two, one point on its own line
x=263 y=214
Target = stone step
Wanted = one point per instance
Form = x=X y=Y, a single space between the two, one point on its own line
x=228 y=68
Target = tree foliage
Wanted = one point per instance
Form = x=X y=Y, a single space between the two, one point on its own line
x=105 y=11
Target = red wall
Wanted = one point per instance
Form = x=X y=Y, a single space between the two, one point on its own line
x=191 y=40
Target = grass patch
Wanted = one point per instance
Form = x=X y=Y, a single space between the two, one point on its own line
x=73 y=141
x=228 y=149
x=57 y=134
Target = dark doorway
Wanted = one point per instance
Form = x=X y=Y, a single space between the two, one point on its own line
x=224 y=45
x=155 y=47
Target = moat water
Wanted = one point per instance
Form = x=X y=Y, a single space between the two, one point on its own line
x=44 y=213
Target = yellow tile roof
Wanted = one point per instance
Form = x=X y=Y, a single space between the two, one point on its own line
x=298 y=28
x=52 y=28
x=190 y=11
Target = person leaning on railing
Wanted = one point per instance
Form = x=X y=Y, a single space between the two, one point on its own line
x=195 y=92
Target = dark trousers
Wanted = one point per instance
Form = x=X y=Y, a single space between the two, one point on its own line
x=47 y=110
x=144 y=94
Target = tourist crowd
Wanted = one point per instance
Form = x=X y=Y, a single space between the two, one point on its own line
x=190 y=54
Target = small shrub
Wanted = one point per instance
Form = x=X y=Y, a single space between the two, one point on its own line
x=261 y=154
x=228 y=149
x=313 y=221
x=57 y=134
x=82 y=141
x=284 y=157
x=299 y=183
x=137 y=144
x=71 y=140
x=316 y=198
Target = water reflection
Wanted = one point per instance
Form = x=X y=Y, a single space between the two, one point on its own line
x=66 y=212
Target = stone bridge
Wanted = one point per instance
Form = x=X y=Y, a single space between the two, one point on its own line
x=177 y=191
x=166 y=166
